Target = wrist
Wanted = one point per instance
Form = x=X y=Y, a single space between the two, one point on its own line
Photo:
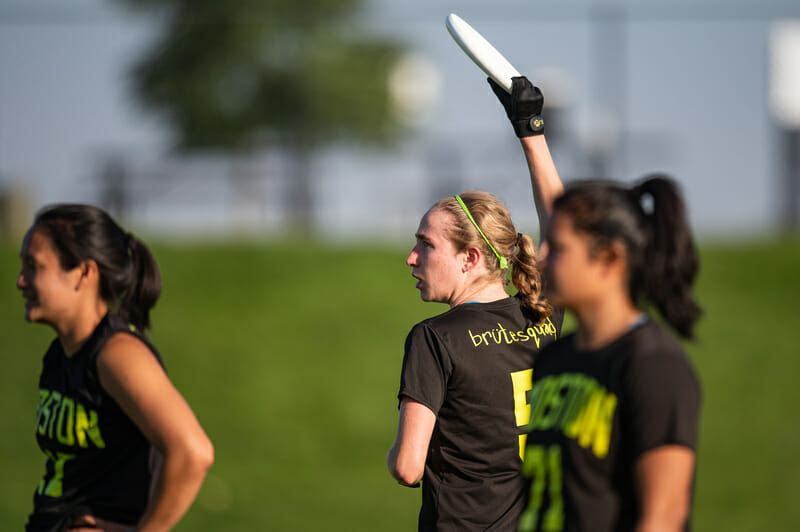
x=529 y=127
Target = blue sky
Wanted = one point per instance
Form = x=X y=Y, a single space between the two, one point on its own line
x=690 y=97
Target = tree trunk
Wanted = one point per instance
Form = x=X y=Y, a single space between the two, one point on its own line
x=300 y=208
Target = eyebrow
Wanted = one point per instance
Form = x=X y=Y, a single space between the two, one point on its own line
x=420 y=236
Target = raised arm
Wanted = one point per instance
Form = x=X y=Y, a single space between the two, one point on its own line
x=523 y=108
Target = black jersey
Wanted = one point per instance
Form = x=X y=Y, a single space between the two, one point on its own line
x=472 y=367
x=97 y=459
x=593 y=414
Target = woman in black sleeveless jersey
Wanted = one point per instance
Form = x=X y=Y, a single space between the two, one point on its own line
x=466 y=372
x=615 y=406
x=124 y=450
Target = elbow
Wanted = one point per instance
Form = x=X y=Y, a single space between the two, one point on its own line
x=204 y=454
x=407 y=477
x=407 y=474
x=197 y=455
x=205 y=457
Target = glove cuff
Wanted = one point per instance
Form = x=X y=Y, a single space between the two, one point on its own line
x=529 y=127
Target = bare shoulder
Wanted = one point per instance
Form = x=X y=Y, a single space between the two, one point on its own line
x=126 y=362
x=125 y=348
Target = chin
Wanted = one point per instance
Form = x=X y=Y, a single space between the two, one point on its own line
x=32 y=316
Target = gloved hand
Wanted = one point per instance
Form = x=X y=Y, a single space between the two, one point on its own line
x=523 y=106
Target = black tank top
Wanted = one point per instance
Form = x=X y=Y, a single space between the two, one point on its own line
x=97 y=459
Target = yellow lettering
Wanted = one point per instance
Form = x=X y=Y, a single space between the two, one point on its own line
x=532 y=333
x=573 y=401
x=604 y=424
x=575 y=421
x=504 y=332
x=55 y=397
x=543 y=390
x=543 y=468
x=54 y=487
x=64 y=431
x=521 y=382
x=553 y=520
x=592 y=419
x=553 y=402
x=473 y=337
x=88 y=426
x=501 y=335
x=42 y=411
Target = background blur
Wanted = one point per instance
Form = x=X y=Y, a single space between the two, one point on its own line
x=706 y=91
x=278 y=156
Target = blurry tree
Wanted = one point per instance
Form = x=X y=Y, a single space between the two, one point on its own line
x=245 y=74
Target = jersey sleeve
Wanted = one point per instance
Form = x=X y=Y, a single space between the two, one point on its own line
x=664 y=404
x=426 y=368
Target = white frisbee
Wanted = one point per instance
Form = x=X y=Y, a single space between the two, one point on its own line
x=481 y=51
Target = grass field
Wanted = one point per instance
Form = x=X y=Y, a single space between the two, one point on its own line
x=290 y=356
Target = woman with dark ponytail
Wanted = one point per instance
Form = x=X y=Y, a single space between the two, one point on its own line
x=124 y=450
x=615 y=405
x=466 y=372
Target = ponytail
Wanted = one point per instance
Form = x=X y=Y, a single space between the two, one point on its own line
x=144 y=287
x=650 y=220
x=527 y=277
x=672 y=262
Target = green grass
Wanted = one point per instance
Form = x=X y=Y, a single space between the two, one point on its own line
x=290 y=356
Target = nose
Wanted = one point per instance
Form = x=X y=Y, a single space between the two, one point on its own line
x=21 y=282
x=411 y=260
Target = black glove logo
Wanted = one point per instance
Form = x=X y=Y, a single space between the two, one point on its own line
x=523 y=106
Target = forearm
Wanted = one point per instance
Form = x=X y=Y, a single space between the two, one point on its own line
x=668 y=521
x=406 y=458
x=176 y=487
x=667 y=513
x=545 y=181
x=406 y=472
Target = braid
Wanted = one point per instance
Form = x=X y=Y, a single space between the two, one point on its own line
x=527 y=278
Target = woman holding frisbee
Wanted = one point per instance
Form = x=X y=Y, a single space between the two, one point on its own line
x=124 y=450
x=615 y=406
x=466 y=372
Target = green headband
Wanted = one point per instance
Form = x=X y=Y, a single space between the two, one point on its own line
x=503 y=260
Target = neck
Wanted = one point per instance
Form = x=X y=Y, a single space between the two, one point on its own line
x=484 y=293
x=74 y=334
x=605 y=321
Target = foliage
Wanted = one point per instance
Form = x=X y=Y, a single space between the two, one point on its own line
x=233 y=75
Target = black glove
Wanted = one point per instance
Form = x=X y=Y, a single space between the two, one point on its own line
x=523 y=106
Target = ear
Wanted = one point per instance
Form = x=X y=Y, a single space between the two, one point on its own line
x=472 y=258
x=89 y=274
x=614 y=256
